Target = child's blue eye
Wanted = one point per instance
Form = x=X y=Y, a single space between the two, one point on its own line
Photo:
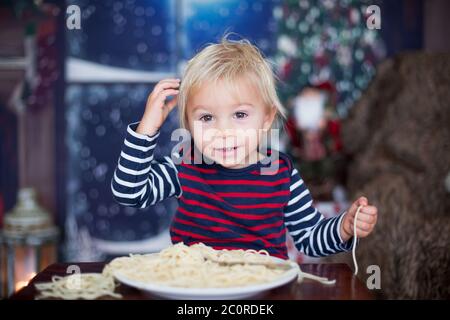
x=241 y=115
x=206 y=118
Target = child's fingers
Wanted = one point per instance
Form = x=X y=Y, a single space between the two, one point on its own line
x=367 y=218
x=169 y=80
x=353 y=208
x=162 y=85
x=364 y=217
x=161 y=98
x=362 y=233
x=172 y=103
x=372 y=210
x=365 y=221
x=363 y=226
x=362 y=201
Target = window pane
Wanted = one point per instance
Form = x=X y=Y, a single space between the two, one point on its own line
x=96 y=117
x=137 y=34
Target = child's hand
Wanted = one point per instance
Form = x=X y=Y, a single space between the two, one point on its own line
x=367 y=218
x=157 y=110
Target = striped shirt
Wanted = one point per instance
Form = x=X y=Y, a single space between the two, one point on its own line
x=226 y=208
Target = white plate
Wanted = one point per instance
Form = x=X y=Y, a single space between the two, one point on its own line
x=169 y=292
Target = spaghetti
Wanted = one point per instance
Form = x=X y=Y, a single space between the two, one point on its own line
x=78 y=286
x=196 y=266
x=355 y=238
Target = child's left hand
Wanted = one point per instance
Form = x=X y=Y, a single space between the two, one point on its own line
x=367 y=218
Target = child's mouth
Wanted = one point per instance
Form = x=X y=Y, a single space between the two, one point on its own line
x=226 y=151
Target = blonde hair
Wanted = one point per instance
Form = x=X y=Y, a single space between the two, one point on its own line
x=228 y=61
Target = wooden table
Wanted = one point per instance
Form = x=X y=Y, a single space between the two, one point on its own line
x=347 y=285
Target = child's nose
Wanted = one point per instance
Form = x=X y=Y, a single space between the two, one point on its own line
x=226 y=136
x=224 y=128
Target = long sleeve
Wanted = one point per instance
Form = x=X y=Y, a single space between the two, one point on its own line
x=312 y=233
x=140 y=180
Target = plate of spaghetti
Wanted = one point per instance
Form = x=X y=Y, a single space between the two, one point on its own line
x=182 y=272
x=201 y=272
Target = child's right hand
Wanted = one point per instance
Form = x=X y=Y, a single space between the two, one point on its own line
x=157 y=110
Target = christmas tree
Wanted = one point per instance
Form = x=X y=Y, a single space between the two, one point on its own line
x=327 y=41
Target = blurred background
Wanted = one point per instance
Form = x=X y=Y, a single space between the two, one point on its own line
x=366 y=84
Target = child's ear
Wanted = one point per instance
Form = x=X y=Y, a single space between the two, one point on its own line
x=269 y=118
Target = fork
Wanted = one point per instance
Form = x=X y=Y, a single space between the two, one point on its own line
x=285 y=265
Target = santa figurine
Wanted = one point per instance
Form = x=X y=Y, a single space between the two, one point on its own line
x=314 y=132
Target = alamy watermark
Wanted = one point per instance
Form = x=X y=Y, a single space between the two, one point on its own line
x=373 y=282
x=236 y=141
x=374 y=17
x=74 y=278
x=73 y=20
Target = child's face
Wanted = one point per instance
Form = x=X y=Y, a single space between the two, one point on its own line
x=218 y=119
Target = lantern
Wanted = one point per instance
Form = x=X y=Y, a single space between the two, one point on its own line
x=28 y=241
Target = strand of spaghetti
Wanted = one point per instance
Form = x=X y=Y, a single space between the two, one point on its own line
x=322 y=280
x=304 y=275
x=355 y=237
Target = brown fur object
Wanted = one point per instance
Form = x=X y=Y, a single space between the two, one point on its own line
x=398 y=139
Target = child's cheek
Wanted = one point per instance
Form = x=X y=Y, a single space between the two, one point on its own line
x=203 y=142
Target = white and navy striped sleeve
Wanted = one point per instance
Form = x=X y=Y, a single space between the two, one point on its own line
x=139 y=180
x=313 y=235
